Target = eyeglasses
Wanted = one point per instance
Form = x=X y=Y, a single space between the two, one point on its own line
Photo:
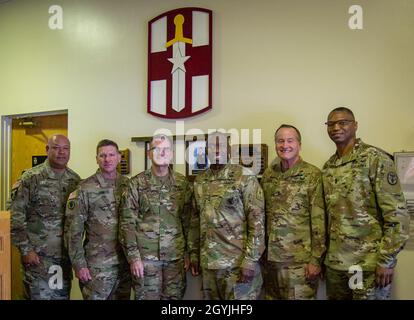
x=159 y=150
x=341 y=123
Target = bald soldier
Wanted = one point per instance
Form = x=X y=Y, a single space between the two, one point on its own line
x=367 y=216
x=91 y=230
x=228 y=227
x=295 y=221
x=154 y=225
x=37 y=207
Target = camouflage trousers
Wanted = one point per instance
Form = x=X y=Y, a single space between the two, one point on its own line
x=163 y=280
x=284 y=281
x=111 y=283
x=50 y=280
x=223 y=284
x=338 y=286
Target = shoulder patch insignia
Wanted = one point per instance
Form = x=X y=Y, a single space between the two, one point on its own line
x=71 y=204
x=392 y=178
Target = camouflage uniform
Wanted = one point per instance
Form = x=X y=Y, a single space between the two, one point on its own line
x=154 y=222
x=229 y=224
x=295 y=223
x=91 y=236
x=367 y=218
x=38 y=208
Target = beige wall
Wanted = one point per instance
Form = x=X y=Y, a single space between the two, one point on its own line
x=274 y=62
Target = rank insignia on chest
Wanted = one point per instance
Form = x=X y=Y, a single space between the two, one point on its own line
x=392 y=178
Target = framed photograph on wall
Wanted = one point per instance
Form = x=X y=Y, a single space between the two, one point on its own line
x=197 y=159
x=404 y=164
x=197 y=155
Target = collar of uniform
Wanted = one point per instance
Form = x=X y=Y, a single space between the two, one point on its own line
x=154 y=180
x=52 y=174
x=277 y=167
x=351 y=156
x=218 y=174
x=102 y=181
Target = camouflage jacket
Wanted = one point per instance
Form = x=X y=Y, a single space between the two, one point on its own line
x=38 y=207
x=367 y=216
x=295 y=213
x=154 y=218
x=91 y=227
x=228 y=222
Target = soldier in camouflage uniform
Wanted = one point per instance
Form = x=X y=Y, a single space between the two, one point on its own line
x=91 y=230
x=154 y=222
x=295 y=221
x=367 y=215
x=228 y=227
x=37 y=207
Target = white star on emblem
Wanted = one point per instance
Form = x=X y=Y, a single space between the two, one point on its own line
x=178 y=61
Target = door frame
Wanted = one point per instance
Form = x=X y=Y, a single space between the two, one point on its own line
x=6 y=147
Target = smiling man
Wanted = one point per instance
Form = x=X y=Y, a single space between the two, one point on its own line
x=295 y=220
x=367 y=216
x=154 y=222
x=91 y=230
x=38 y=202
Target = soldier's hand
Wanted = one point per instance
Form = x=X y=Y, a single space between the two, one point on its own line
x=137 y=269
x=31 y=259
x=384 y=276
x=246 y=275
x=186 y=262
x=195 y=269
x=312 y=271
x=83 y=274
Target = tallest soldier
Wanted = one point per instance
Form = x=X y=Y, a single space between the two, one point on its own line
x=367 y=216
x=38 y=203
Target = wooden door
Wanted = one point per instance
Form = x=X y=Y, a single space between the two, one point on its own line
x=5 y=271
x=27 y=142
